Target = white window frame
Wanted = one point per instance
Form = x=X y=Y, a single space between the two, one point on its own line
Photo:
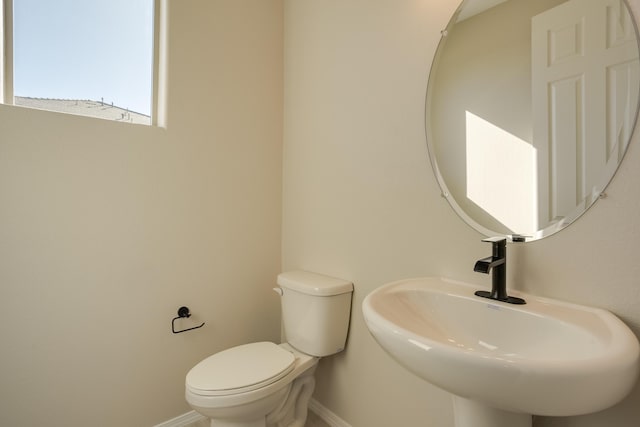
x=6 y=74
x=159 y=72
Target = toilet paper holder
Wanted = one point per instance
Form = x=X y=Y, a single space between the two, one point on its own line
x=183 y=312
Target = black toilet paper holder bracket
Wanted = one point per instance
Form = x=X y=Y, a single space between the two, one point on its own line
x=183 y=312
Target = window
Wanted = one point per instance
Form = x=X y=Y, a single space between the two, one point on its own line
x=87 y=57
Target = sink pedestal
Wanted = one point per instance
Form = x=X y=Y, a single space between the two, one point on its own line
x=468 y=413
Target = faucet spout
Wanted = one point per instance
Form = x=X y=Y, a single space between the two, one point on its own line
x=498 y=263
x=485 y=265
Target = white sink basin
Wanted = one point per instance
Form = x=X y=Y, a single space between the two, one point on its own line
x=546 y=357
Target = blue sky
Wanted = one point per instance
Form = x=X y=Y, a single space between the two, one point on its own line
x=85 y=49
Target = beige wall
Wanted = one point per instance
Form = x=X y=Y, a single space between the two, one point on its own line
x=106 y=229
x=360 y=201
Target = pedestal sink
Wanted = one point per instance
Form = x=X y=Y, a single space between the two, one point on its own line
x=504 y=362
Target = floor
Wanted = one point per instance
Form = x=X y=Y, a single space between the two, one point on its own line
x=201 y=423
x=315 y=421
x=312 y=421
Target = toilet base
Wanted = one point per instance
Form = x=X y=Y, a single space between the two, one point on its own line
x=284 y=407
x=293 y=411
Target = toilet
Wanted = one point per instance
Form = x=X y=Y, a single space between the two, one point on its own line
x=264 y=384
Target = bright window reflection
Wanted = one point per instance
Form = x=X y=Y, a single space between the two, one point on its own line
x=500 y=163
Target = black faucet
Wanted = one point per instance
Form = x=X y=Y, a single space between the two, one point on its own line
x=498 y=263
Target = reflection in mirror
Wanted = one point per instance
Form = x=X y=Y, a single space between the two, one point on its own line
x=530 y=108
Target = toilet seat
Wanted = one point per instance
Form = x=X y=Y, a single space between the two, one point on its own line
x=240 y=369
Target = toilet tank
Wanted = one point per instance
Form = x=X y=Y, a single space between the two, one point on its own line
x=315 y=311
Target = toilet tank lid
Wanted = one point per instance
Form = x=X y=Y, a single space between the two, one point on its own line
x=313 y=283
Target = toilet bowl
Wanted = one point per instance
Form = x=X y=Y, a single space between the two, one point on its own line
x=264 y=384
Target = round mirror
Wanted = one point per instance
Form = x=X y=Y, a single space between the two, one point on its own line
x=530 y=108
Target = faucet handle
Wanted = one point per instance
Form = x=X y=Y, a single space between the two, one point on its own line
x=496 y=239
x=498 y=246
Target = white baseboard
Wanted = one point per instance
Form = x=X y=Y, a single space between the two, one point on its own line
x=327 y=416
x=183 y=420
